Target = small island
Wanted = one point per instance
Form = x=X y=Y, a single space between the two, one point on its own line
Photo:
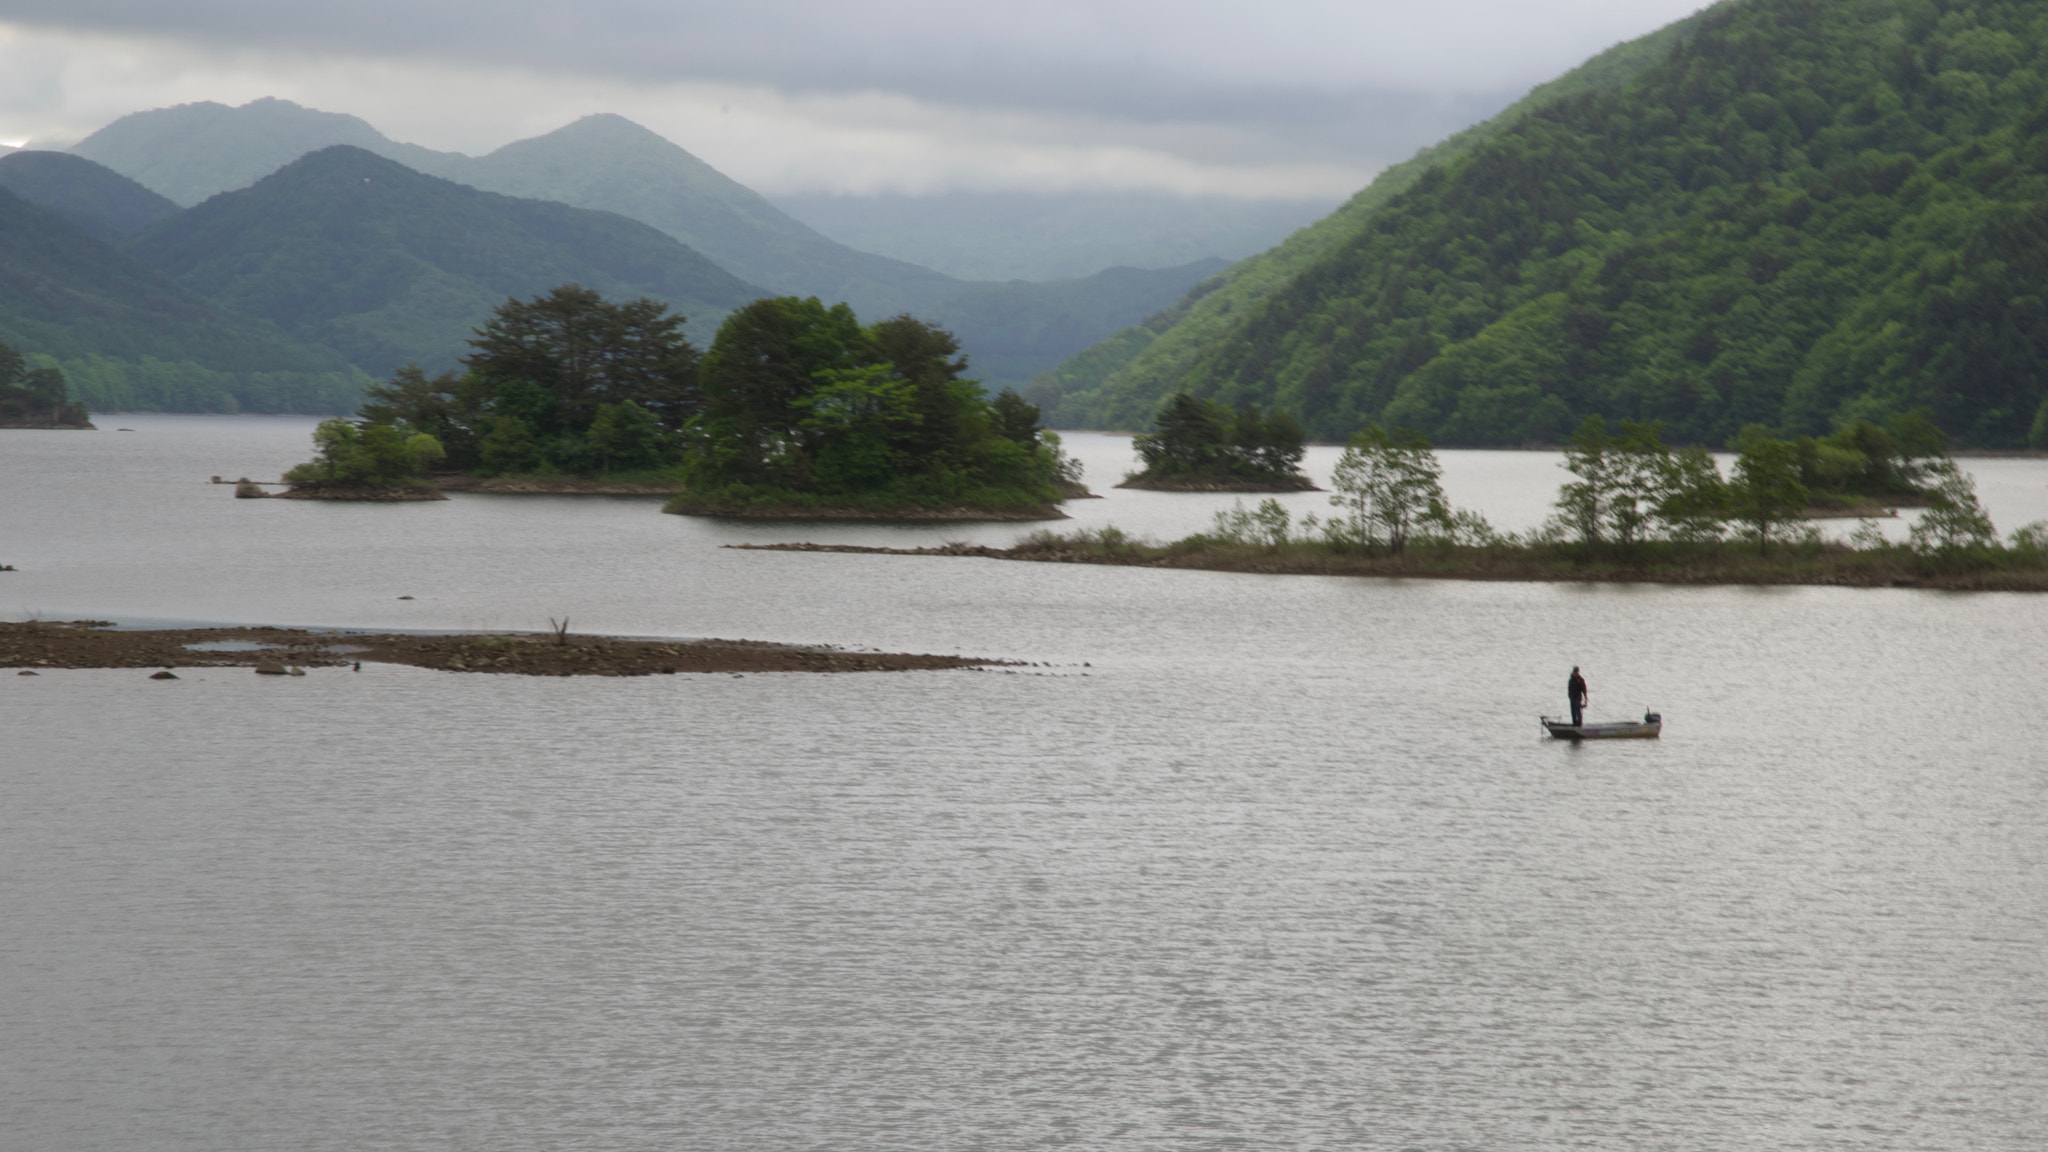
x=796 y=411
x=37 y=397
x=1202 y=446
x=95 y=644
x=1634 y=512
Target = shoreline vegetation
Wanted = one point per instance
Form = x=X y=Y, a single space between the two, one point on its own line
x=1821 y=564
x=39 y=645
x=1634 y=512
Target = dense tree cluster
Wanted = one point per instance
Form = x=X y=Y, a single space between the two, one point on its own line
x=563 y=383
x=1813 y=212
x=349 y=454
x=36 y=397
x=802 y=403
x=1196 y=439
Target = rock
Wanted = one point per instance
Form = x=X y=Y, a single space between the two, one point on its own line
x=246 y=489
x=28 y=672
x=405 y=597
x=297 y=671
x=166 y=674
x=269 y=668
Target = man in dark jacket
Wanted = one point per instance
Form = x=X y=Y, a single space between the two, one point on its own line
x=1575 y=689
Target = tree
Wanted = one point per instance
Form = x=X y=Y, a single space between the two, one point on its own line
x=626 y=437
x=585 y=352
x=36 y=396
x=801 y=403
x=1201 y=439
x=1389 y=484
x=368 y=455
x=1767 y=493
x=1584 y=502
x=1693 y=504
x=1954 y=521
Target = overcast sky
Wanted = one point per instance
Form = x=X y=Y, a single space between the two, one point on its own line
x=1284 y=98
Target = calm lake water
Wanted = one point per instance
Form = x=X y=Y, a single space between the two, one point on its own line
x=1257 y=862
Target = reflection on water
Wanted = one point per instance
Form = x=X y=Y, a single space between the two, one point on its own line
x=1287 y=864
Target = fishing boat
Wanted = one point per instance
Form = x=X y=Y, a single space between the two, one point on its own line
x=1647 y=728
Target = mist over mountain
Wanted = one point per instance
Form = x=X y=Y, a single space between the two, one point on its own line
x=92 y=196
x=610 y=163
x=189 y=152
x=389 y=266
x=1802 y=213
x=129 y=337
x=1051 y=235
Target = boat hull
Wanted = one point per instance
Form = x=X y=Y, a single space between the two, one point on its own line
x=1646 y=729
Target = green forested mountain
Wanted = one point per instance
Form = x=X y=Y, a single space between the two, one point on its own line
x=1810 y=211
x=192 y=151
x=92 y=196
x=391 y=267
x=1121 y=381
x=609 y=163
x=126 y=336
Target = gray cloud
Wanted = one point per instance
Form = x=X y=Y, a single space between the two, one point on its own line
x=1300 y=81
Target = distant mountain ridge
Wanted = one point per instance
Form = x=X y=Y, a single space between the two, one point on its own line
x=189 y=152
x=92 y=196
x=1048 y=236
x=129 y=337
x=390 y=266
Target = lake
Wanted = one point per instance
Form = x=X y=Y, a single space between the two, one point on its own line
x=1234 y=862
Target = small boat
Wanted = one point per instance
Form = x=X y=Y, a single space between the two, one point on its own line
x=1647 y=728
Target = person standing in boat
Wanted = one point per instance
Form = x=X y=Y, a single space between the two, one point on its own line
x=1575 y=690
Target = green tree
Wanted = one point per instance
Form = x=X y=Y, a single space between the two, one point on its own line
x=1954 y=522
x=36 y=396
x=369 y=455
x=586 y=352
x=1694 y=499
x=1389 y=485
x=1584 y=502
x=1766 y=494
x=627 y=438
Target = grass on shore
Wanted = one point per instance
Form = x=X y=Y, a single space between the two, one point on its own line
x=1808 y=561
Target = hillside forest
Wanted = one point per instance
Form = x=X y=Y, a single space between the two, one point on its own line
x=1807 y=213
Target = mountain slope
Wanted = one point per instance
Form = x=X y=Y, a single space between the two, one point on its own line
x=130 y=338
x=92 y=196
x=1120 y=382
x=609 y=163
x=391 y=267
x=192 y=151
x=1813 y=211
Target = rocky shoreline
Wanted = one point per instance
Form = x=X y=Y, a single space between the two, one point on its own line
x=37 y=645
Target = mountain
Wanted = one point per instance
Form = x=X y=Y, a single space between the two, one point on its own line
x=192 y=151
x=92 y=196
x=128 y=337
x=1120 y=382
x=1014 y=330
x=609 y=163
x=1051 y=235
x=390 y=267
x=1808 y=212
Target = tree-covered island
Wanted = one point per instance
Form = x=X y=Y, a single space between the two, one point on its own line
x=1201 y=446
x=796 y=410
x=36 y=397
